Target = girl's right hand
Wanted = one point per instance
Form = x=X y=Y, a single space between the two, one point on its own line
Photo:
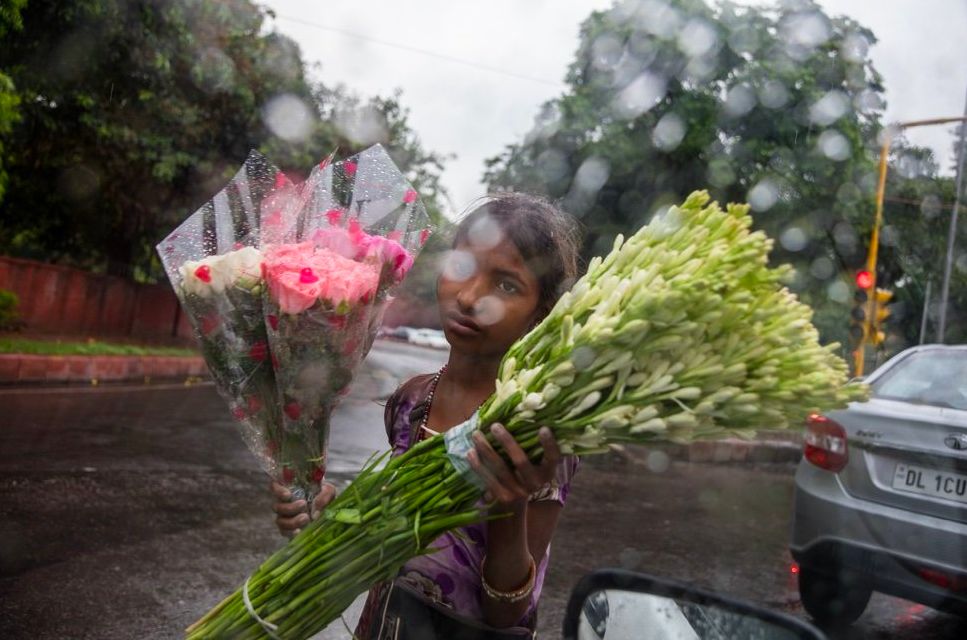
x=291 y=516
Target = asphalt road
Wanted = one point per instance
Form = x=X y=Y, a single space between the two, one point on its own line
x=127 y=513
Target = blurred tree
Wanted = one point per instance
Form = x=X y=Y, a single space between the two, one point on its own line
x=135 y=112
x=913 y=246
x=777 y=106
x=9 y=22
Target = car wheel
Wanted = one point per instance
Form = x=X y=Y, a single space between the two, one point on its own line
x=833 y=601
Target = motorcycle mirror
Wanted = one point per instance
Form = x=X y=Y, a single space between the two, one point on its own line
x=614 y=604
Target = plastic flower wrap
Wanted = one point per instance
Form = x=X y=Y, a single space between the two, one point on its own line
x=330 y=268
x=215 y=267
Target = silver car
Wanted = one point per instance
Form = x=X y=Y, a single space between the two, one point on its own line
x=881 y=492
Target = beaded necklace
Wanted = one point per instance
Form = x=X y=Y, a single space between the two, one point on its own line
x=425 y=432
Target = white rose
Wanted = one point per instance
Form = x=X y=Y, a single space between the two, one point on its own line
x=214 y=274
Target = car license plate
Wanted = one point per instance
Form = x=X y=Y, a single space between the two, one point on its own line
x=930 y=482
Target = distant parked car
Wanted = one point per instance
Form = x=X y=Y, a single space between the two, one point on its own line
x=881 y=492
x=429 y=338
x=398 y=333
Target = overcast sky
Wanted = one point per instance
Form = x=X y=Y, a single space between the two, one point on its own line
x=520 y=50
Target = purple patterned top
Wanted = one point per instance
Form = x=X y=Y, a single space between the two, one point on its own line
x=452 y=576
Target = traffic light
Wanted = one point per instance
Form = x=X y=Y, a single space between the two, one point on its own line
x=881 y=313
x=864 y=279
x=859 y=324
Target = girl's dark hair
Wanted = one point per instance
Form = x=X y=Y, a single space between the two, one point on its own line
x=545 y=236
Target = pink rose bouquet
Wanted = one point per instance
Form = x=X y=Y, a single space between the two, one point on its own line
x=330 y=268
x=285 y=289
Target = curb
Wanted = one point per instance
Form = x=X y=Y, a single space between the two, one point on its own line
x=29 y=369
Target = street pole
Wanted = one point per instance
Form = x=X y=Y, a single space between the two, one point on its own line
x=923 y=316
x=888 y=134
x=949 y=261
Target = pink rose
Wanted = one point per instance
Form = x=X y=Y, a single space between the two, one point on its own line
x=299 y=274
x=389 y=252
x=341 y=241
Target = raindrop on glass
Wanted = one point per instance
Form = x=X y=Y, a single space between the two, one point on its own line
x=763 y=195
x=834 y=145
x=288 y=117
x=828 y=109
x=669 y=132
x=793 y=239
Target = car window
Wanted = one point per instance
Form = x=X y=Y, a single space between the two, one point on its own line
x=927 y=377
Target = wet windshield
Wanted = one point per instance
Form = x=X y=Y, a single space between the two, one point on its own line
x=934 y=378
x=255 y=254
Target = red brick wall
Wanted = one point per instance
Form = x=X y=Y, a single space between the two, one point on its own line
x=62 y=300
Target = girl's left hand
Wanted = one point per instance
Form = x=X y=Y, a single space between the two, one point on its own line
x=512 y=483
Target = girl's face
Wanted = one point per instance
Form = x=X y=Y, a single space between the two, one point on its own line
x=487 y=296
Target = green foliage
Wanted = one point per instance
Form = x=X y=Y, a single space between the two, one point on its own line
x=135 y=113
x=9 y=316
x=778 y=106
x=89 y=348
x=913 y=246
x=9 y=22
x=10 y=16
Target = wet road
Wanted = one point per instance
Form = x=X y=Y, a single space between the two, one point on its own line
x=128 y=513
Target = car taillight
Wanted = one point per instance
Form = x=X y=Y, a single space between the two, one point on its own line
x=941 y=579
x=825 y=443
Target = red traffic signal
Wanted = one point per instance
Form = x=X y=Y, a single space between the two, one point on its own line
x=864 y=279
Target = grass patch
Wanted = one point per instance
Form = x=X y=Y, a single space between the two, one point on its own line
x=87 y=348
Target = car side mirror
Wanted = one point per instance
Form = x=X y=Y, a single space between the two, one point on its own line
x=615 y=604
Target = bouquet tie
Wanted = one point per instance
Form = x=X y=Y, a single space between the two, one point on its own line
x=458 y=442
x=270 y=628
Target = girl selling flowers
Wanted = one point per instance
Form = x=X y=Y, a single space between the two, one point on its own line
x=511 y=259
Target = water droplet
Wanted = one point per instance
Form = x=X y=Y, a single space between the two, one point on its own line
x=592 y=175
x=838 y=291
x=641 y=95
x=485 y=233
x=720 y=172
x=669 y=132
x=805 y=30
x=822 y=268
x=658 y=461
x=288 y=117
x=854 y=47
x=658 y=17
x=459 y=265
x=834 y=145
x=697 y=38
x=606 y=51
x=490 y=310
x=773 y=95
x=868 y=100
x=552 y=165
x=793 y=239
x=828 y=109
x=763 y=195
x=739 y=100
x=930 y=206
x=844 y=235
x=366 y=125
